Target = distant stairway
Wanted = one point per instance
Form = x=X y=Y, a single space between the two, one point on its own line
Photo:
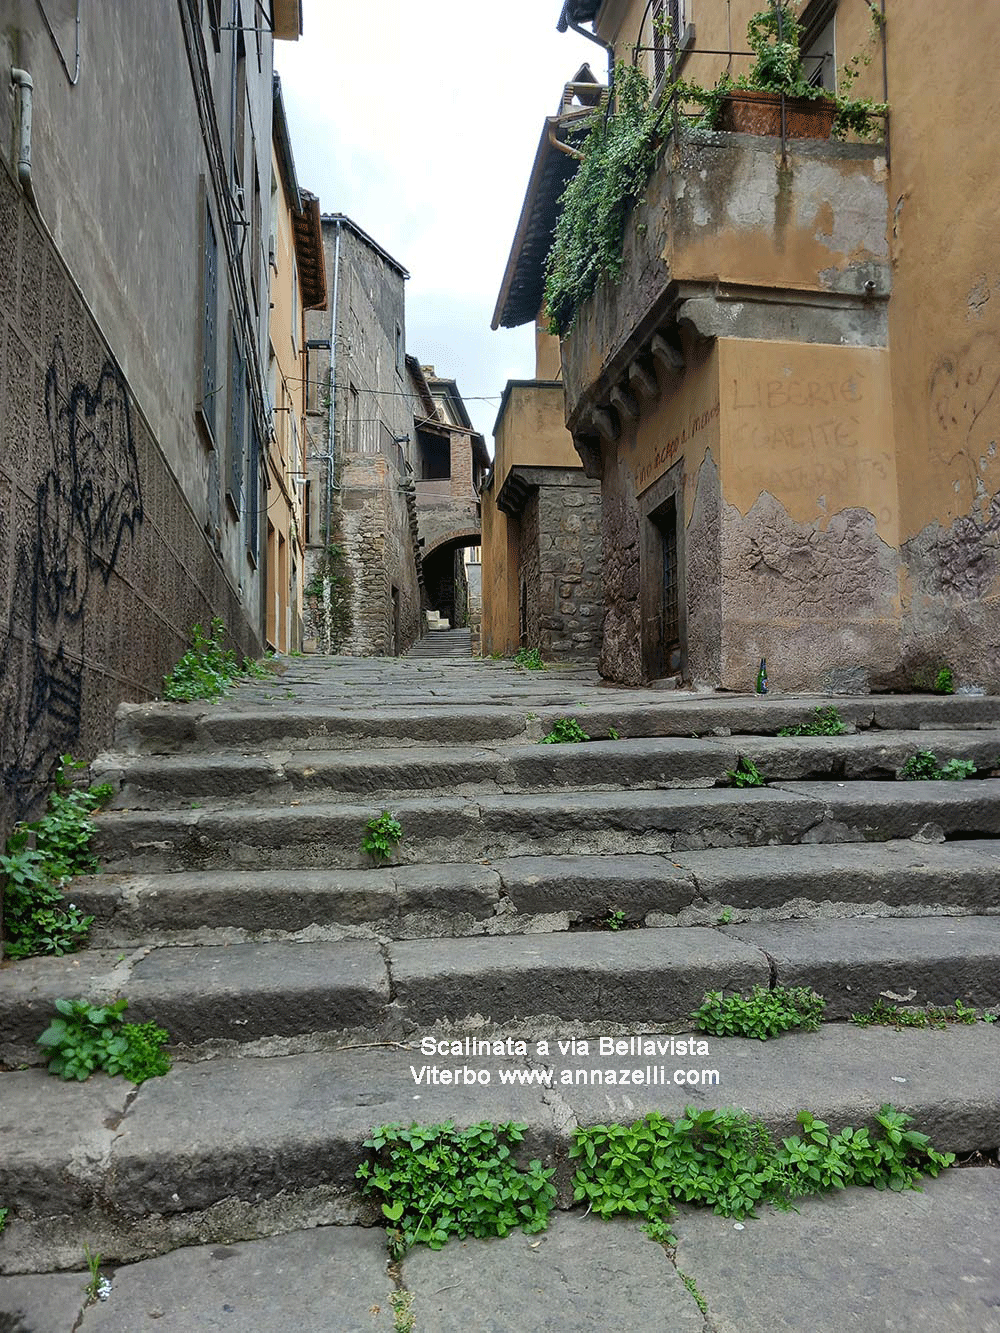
x=443 y=643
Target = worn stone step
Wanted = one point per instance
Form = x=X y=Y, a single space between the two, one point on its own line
x=231 y=994
x=393 y=901
x=279 y=778
x=653 y=976
x=230 y=1149
x=408 y=712
x=454 y=829
x=246 y=993
x=900 y=878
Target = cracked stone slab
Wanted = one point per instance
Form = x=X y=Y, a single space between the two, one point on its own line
x=51 y=1303
x=274 y=837
x=643 y=762
x=867 y=754
x=319 y=1280
x=898 y=872
x=203 y=993
x=914 y=1262
x=590 y=886
x=438 y=830
x=581 y=1273
x=30 y=987
x=878 y=811
x=228 y=1149
x=636 y=977
x=250 y=1129
x=843 y=1074
x=56 y=1138
x=641 y=821
x=911 y=960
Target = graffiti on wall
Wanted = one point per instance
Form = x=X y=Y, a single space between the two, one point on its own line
x=87 y=502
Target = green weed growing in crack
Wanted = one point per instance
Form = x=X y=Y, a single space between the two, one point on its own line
x=763 y=1014
x=529 y=659
x=38 y=862
x=565 y=731
x=696 y=1295
x=208 y=669
x=930 y=1016
x=4 y=1214
x=823 y=722
x=436 y=1181
x=615 y=919
x=98 y=1288
x=745 y=774
x=401 y=1303
x=86 y=1037
x=721 y=1159
x=381 y=836
x=924 y=766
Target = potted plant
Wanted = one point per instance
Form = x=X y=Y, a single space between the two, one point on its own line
x=776 y=84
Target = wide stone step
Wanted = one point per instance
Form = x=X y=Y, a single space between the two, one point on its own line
x=522 y=702
x=900 y=878
x=280 y=778
x=246 y=993
x=453 y=829
x=230 y=1149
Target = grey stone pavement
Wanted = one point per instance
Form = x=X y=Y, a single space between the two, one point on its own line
x=855 y=1262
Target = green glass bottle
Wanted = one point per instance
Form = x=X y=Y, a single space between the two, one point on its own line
x=762 y=677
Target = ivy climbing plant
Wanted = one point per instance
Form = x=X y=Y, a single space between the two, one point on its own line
x=618 y=155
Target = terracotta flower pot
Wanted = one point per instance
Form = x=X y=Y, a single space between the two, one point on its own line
x=750 y=112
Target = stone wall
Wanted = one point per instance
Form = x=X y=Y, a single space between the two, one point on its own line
x=570 y=543
x=369 y=515
x=537 y=615
x=103 y=566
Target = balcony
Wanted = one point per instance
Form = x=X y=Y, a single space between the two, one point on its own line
x=733 y=239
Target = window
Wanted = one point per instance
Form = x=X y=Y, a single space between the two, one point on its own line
x=317 y=374
x=237 y=424
x=210 y=319
x=400 y=351
x=668 y=30
x=253 y=495
x=239 y=103
x=353 y=423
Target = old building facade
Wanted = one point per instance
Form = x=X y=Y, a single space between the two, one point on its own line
x=792 y=396
x=363 y=566
x=298 y=284
x=450 y=462
x=133 y=335
x=541 y=567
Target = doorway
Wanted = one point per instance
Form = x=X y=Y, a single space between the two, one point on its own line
x=663 y=648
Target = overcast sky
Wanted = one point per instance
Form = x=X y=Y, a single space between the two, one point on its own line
x=420 y=122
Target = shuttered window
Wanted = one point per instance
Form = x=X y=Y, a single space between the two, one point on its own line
x=210 y=320
x=237 y=423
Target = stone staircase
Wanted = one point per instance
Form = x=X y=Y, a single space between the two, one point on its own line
x=443 y=641
x=310 y=997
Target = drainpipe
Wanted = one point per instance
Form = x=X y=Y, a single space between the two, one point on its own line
x=566 y=22
x=21 y=79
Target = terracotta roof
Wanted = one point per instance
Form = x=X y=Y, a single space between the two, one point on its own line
x=345 y=221
x=308 y=233
x=523 y=288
